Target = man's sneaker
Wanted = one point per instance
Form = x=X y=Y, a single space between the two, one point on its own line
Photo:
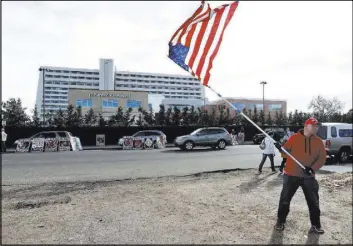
x=279 y=226
x=258 y=172
x=274 y=171
x=317 y=230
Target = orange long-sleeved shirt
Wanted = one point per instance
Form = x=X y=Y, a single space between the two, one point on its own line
x=309 y=151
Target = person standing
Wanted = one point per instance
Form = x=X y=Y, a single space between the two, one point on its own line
x=285 y=138
x=241 y=136
x=310 y=151
x=268 y=151
x=3 y=140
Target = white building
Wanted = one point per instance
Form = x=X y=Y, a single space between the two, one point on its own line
x=176 y=90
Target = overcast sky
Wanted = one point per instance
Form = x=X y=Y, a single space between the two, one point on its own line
x=300 y=48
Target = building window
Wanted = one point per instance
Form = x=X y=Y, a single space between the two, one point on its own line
x=274 y=107
x=109 y=103
x=84 y=103
x=133 y=104
x=258 y=106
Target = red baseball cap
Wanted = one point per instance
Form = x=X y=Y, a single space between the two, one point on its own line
x=311 y=121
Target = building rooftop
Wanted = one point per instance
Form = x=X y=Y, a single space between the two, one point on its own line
x=246 y=99
x=117 y=71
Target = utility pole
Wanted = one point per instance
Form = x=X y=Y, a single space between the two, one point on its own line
x=263 y=83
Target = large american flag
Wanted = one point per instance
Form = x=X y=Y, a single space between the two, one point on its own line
x=196 y=43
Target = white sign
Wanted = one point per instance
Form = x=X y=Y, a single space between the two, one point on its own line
x=109 y=95
x=4 y=123
x=100 y=139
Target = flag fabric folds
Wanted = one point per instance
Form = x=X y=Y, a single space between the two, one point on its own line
x=196 y=43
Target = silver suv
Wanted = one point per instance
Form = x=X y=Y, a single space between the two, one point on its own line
x=337 y=138
x=211 y=136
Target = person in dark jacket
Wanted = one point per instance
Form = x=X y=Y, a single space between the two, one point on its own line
x=283 y=141
x=309 y=150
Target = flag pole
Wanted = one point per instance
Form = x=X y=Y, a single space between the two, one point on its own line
x=254 y=124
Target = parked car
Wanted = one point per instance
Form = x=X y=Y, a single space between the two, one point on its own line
x=153 y=134
x=278 y=134
x=211 y=136
x=26 y=143
x=337 y=138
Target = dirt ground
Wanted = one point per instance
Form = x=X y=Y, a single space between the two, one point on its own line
x=233 y=208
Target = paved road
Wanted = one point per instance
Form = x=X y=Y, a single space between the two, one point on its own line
x=99 y=165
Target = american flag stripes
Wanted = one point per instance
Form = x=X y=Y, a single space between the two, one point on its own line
x=196 y=43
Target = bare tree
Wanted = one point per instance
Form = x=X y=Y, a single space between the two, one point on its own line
x=324 y=106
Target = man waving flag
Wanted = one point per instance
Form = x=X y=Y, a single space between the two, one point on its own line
x=196 y=43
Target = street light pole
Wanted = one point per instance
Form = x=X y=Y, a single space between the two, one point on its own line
x=263 y=83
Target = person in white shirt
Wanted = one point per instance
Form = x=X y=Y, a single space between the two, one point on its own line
x=3 y=140
x=268 y=151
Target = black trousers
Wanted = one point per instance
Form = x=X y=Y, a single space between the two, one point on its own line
x=264 y=157
x=310 y=188
x=3 y=146
x=282 y=163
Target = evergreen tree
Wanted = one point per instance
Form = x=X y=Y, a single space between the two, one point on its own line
x=290 y=119
x=262 y=117
x=168 y=115
x=151 y=117
x=161 y=115
x=336 y=117
x=220 y=120
x=238 y=119
x=118 y=118
x=185 y=116
x=245 y=122
x=13 y=113
x=176 y=116
x=296 y=118
x=49 y=118
x=349 y=116
x=301 y=118
x=78 y=116
x=70 y=119
x=140 y=121
x=127 y=120
x=90 y=117
x=147 y=117
x=201 y=115
x=193 y=117
x=59 y=118
x=255 y=116
x=269 y=119
x=35 y=117
x=280 y=119
x=101 y=121
x=276 y=119
x=227 y=119
x=212 y=120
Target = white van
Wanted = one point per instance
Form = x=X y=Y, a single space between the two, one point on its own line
x=337 y=138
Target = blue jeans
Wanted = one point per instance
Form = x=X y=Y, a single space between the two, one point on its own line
x=264 y=157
